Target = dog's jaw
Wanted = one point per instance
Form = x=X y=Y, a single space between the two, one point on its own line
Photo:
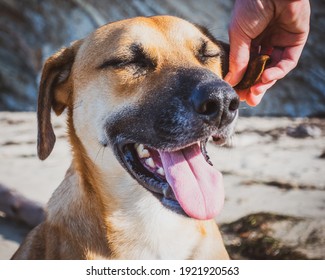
x=184 y=186
x=144 y=165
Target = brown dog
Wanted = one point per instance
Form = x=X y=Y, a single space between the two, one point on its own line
x=142 y=97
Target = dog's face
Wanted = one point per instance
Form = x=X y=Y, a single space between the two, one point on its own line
x=150 y=91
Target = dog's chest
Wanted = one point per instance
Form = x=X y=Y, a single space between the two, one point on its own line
x=164 y=236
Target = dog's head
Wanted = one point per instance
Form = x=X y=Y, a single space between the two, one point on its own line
x=151 y=91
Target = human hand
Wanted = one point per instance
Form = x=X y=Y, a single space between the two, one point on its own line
x=278 y=28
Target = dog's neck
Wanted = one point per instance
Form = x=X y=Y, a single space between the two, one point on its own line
x=157 y=233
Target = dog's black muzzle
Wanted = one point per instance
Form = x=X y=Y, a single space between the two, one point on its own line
x=195 y=104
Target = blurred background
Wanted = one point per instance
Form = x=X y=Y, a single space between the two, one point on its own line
x=32 y=30
x=274 y=173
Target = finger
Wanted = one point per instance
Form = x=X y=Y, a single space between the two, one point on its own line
x=239 y=54
x=253 y=100
x=285 y=60
x=261 y=88
x=254 y=95
x=242 y=94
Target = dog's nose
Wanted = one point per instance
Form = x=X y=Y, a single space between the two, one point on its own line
x=215 y=102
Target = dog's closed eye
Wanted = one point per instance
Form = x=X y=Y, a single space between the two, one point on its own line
x=205 y=52
x=137 y=58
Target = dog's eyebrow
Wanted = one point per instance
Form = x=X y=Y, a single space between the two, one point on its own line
x=207 y=33
x=140 y=56
x=137 y=50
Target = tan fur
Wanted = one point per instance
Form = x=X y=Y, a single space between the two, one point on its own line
x=99 y=211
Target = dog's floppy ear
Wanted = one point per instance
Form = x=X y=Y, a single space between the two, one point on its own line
x=55 y=91
x=255 y=68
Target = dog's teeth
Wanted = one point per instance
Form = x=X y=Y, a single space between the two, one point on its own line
x=150 y=162
x=145 y=154
x=142 y=152
x=161 y=171
x=139 y=147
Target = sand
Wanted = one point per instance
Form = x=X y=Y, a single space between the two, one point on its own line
x=274 y=180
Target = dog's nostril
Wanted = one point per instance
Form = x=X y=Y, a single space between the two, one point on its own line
x=233 y=105
x=208 y=108
x=204 y=103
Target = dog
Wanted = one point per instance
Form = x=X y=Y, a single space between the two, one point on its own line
x=142 y=97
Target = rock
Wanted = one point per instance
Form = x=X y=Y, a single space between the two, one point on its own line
x=31 y=31
x=303 y=131
x=322 y=155
x=19 y=208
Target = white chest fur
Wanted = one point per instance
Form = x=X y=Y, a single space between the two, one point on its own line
x=153 y=232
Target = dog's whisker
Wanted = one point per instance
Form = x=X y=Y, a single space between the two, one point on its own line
x=74 y=108
x=103 y=153
x=77 y=104
x=100 y=148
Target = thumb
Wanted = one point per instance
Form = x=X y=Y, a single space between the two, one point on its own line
x=239 y=55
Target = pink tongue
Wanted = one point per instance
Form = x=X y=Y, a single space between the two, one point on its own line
x=197 y=185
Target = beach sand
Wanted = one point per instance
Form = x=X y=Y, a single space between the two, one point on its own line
x=274 y=176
